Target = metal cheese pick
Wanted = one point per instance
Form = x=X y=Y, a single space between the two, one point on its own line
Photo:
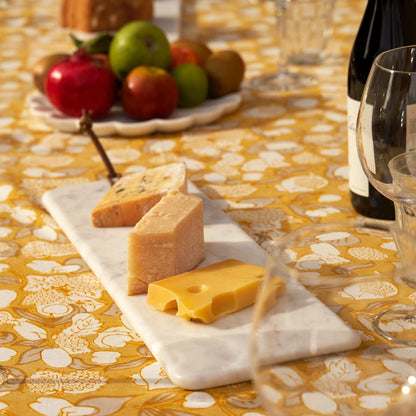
x=85 y=124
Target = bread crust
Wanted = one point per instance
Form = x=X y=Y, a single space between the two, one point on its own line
x=103 y=15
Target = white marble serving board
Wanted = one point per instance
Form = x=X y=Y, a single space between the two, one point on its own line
x=195 y=355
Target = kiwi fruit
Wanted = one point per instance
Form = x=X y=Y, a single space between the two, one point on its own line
x=200 y=48
x=42 y=67
x=225 y=70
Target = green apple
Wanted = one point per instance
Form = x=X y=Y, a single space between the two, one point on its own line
x=138 y=43
x=192 y=82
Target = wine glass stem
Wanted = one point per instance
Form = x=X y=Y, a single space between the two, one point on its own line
x=281 y=23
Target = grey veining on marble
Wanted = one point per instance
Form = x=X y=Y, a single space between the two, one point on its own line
x=196 y=356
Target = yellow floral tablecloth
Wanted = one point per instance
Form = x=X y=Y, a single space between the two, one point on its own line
x=277 y=163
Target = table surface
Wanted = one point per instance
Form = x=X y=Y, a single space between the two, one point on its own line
x=275 y=164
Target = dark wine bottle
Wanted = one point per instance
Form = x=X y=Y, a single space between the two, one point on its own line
x=386 y=24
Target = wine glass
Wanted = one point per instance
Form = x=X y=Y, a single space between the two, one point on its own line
x=351 y=267
x=386 y=136
x=303 y=29
x=385 y=124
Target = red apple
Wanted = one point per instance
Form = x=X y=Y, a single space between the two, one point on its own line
x=81 y=82
x=149 y=92
x=183 y=55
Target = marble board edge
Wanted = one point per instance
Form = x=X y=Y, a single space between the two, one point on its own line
x=160 y=348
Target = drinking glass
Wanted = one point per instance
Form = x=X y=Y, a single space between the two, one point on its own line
x=354 y=268
x=386 y=136
x=403 y=172
x=303 y=28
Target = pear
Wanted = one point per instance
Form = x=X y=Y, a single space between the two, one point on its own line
x=225 y=70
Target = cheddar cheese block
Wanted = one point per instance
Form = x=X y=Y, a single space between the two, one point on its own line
x=167 y=241
x=206 y=294
x=132 y=196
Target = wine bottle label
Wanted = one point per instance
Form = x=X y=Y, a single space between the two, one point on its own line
x=358 y=181
x=411 y=127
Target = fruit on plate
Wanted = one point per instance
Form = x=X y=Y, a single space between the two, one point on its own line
x=192 y=83
x=182 y=55
x=200 y=48
x=42 y=67
x=99 y=43
x=105 y=61
x=225 y=71
x=81 y=82
x=136 y=44
x=149 y=92
x=93 y=77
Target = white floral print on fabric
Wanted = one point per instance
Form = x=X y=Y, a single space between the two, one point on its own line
x=303 y=183
x=153 y=376
x=73 y=382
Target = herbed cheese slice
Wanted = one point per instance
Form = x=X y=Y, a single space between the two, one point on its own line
x=167 y=241
x=206 y=294
x=132 y=196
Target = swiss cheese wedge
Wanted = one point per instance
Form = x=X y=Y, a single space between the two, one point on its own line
x=167 y=241
x=206 y=294
x=132 y=196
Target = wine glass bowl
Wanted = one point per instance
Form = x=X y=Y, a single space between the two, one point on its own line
x=387 y=117
x=385 y=25
x=355 y=269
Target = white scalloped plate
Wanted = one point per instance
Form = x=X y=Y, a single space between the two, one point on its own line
x=117 y=123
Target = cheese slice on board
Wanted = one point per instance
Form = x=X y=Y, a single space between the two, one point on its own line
x=206 y=294
x=167 y=241
x=133 y=195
